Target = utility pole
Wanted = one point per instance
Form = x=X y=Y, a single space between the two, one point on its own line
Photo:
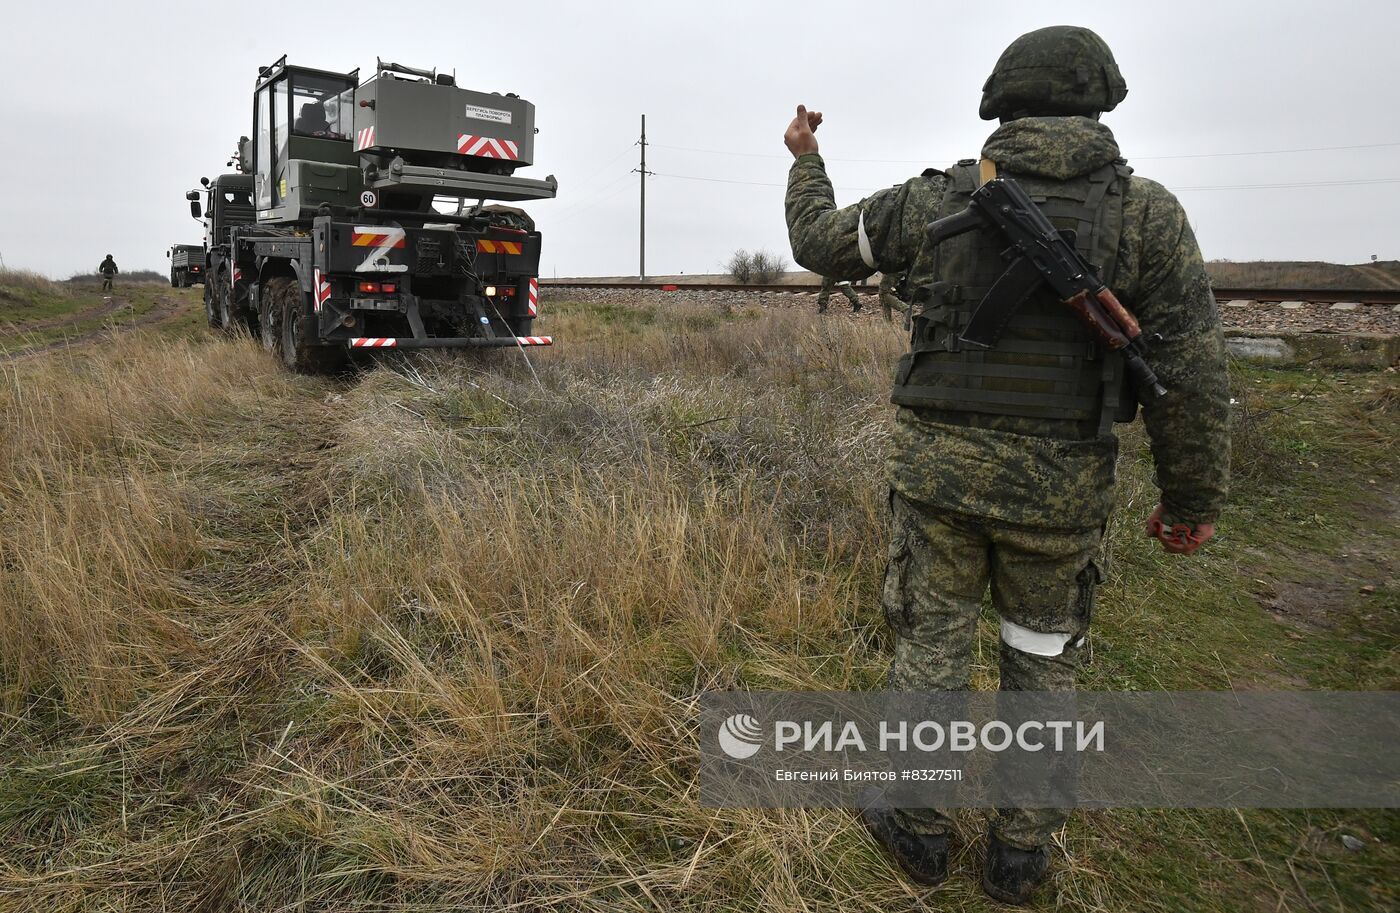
x=642 y=233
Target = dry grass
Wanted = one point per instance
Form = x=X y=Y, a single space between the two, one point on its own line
x=17 y=285
x=429 y=638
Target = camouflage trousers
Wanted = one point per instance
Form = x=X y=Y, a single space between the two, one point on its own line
x=890 y=303
x=1042 y=584
x=824 y=296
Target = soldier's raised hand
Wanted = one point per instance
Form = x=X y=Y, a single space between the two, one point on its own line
x=799 y=136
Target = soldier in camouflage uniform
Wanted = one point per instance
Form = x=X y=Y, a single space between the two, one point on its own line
x=889 y=295
x=1002 y=463
x=844 y=286
x=108 y=270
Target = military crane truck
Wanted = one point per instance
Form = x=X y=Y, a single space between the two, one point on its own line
x=370 y=225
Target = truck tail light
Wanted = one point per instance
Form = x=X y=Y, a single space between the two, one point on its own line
x=369 y=288
x=490 y=291
x=389 y=287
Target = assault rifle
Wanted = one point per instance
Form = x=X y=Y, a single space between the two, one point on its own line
x=1044 y=255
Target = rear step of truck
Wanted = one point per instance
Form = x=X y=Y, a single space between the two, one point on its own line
x=448 y=342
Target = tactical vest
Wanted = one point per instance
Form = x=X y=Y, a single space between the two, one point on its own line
x=1046 y=376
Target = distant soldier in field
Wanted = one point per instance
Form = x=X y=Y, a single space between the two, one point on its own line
x=889 y=295
x=1002 y=459
x=844 y=286
x=108 y=269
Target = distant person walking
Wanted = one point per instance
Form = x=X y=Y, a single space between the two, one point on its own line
x=844 y=286
x=108 y=269
x=889 y=294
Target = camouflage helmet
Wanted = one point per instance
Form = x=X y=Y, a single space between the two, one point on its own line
x=1060 y=70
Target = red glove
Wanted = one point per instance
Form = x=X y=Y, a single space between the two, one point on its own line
x=1179 y=538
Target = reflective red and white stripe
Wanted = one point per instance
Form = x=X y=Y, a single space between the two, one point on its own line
x=376 y=342
x=532 y=304
x=364 y=138
x=487 y=147
x=321 y=290
x=235 y=276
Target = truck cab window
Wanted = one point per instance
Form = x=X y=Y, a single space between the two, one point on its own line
x=279 y=140
x=263 y=158
x=323 y=107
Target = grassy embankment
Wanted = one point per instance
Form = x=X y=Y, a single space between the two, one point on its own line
x=1308 y=274
x=429 y=638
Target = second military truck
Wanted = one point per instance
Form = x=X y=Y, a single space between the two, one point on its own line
x=186 y=264
x=367 y=225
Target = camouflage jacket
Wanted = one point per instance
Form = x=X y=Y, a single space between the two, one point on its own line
x=1045 y=482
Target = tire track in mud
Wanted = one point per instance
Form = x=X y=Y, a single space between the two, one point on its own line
x=166 y=308
x=110 y=304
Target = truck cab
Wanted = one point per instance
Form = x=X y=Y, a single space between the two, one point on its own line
x=303 y=156
x=227 y=204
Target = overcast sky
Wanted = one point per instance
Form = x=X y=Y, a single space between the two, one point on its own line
x=113 y=110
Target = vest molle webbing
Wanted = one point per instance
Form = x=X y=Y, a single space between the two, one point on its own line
x=1046 y=368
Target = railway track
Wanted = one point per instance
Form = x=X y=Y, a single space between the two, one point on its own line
x=1223 y=293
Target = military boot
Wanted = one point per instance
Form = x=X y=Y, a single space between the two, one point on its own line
x=1012 y=874
x=924 y=857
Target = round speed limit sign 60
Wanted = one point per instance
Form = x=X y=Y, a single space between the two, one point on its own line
x=367 y=198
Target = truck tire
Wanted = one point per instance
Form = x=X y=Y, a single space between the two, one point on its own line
x=270 y=312
x=211 y=310
x=223 y=295
x=296 y=331
x=174 y=283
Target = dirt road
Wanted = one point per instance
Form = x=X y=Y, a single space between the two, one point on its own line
x=165 y=309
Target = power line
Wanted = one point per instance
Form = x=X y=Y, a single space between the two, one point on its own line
x=692 y=177
x=1206 y=155
x=599 y=194
x=588 y=192
x=1137 y=158
x=1359 y=182
x=566 y=215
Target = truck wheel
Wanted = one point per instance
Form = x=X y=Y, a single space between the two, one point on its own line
x=270 y=312
x=223 y=294
x=298 y=333
x=211 y=310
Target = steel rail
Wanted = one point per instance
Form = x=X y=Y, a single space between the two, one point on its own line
x=1222 y=293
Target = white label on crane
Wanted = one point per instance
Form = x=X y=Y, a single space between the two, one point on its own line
x=495 y=115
